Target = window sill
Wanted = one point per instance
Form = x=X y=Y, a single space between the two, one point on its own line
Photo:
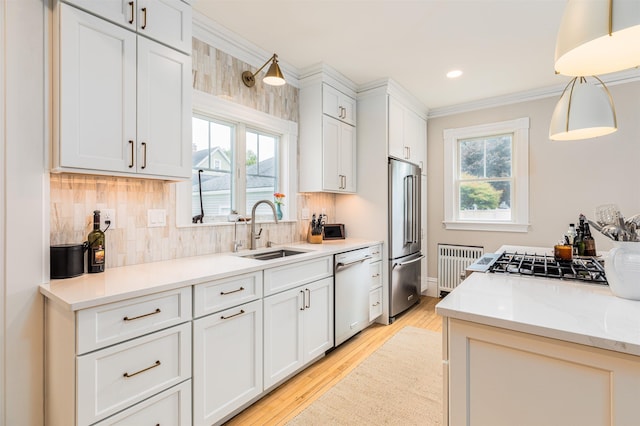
x=217 y=224
x=486 y=226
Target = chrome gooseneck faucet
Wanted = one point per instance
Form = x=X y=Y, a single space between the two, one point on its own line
x=255 y=237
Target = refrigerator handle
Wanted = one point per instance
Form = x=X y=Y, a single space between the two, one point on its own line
x=408 y=212
x=416 y=209
x=417 y=259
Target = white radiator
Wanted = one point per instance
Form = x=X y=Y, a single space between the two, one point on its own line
x=452 y=262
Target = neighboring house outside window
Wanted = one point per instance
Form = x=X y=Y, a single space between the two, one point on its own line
x=486 y=172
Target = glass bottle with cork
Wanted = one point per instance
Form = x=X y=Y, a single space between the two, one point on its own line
x=589 y=242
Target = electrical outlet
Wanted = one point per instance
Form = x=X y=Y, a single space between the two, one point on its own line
x=304 y=213
x=107 y=215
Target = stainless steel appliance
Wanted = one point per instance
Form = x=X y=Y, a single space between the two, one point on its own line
x=352 y=285
x=404 y=236
x=586 y=269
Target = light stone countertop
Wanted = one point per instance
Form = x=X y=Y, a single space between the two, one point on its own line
x=116 y=284
x=587 y=314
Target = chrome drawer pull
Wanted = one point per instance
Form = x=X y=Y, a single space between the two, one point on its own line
x=157 y=311
x=234 y=315
x=127 y=375
x=222 y=293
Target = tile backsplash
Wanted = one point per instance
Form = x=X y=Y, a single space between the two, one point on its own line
x=75 y=197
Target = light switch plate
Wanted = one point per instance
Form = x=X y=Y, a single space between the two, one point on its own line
x=156 y=218
x=304 y=213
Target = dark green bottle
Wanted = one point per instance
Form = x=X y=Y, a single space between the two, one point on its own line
x=96 y=252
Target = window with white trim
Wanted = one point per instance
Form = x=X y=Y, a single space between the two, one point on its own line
x=486 y=177
x=239 y=156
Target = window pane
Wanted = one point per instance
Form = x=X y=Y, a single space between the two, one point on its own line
x=498 y=156
x=488 y=201
x=212 y=153
x=485 y=157
x=262 y=170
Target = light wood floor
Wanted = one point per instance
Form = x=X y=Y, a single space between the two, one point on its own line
x=290 y=398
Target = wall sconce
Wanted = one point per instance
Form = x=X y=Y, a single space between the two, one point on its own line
x=598 y=37
x=584 y=111
x=274 y=76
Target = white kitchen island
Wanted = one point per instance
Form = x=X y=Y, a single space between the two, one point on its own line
x=539 y=351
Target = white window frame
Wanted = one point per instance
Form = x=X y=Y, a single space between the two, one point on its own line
x=287 y=131
x=519 y=222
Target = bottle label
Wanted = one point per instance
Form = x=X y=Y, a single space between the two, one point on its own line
x=97 y=256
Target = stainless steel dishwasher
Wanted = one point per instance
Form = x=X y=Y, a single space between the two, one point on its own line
x=352 y=284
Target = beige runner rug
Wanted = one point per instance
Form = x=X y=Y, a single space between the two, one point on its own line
x=399 y=384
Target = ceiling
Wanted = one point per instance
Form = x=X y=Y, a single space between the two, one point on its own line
x=502 y=46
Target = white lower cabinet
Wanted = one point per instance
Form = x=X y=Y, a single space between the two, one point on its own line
x=171 y=407
x=114 y=378
x=298 y=327
x=227 y=361
x=503 y=377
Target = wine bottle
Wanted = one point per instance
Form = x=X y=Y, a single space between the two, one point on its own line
x=96 y=253
x=589 y=242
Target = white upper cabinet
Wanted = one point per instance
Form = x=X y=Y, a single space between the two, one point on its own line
x=327 y=136
x=122 y=102
x=407 y=134
x=338 y=105
x=166 y=21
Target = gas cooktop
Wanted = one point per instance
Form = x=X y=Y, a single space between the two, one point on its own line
x=582 y=268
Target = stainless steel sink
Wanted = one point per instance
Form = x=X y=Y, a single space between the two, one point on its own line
x=273 y=254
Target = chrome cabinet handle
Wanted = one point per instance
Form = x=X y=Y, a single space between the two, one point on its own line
x=133 y=12
x=131 y=163
x=308 y=303
x=224 y=293
x=127 y=375
x=303 y=300
x=144 y=157
x=144 y=16
x=231 y=316
x=157 y=311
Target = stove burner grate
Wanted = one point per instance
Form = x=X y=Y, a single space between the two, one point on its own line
x=584 y=268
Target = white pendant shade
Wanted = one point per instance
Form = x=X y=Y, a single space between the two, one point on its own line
x=585 y=46
x=584 y=111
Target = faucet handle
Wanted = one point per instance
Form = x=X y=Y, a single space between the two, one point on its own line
x=258 y=234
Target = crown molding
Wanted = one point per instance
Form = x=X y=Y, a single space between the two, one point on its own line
x=221 y=38
x=393 y=88
x=613 y=79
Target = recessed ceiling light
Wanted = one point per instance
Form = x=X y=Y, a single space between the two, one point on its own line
x=454 y=74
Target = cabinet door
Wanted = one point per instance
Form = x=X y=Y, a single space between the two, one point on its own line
x=97 y=93
x=338 y=105
x=375 y=303
x=331 y=179
x=347 y=157
x=283 y=335
x=121 y=12
x=227 y=361
x=396 y=129
x=167 y=21
x=415 y=138
x=164 y=110
x=318 y=318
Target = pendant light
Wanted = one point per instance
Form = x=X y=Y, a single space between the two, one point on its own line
x=598 y=37
x=273 y=77
x=584 y=111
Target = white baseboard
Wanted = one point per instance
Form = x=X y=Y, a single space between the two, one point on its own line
x=432 y=287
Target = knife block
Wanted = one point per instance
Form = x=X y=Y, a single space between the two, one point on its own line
x=313 y=239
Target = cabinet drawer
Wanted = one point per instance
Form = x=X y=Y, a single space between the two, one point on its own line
x=222 y=294
x=114 y=378
x=375 y=303
x=116 y=322
x=375 y=270
x=295 y=274
x=376 y=252
x=171 y=407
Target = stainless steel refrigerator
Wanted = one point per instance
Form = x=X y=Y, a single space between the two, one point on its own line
x=404 y=236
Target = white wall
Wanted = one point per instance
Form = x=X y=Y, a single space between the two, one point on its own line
x=566 y=178
x=24 y=229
